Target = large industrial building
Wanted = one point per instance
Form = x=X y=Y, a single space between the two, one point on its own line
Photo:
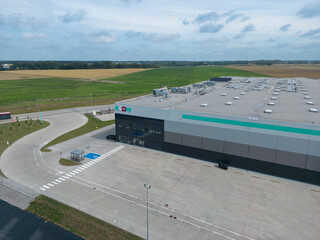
x=267 y=125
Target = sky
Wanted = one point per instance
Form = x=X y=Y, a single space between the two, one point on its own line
x=177 y=30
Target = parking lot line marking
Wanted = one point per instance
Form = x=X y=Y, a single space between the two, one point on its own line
x=57 y=180
x=51 y=185
x=84 y=167
x=62 y=179
x=72 y=173
x=78 y=169
x=65 y=177
x=45 y=186
x=43 y=189
x=68 y=175
x=55 y=183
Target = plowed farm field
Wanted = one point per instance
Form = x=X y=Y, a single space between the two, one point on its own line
x=307 y=71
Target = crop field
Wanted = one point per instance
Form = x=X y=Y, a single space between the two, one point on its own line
x=307 y=71
x=55 y=93
x=14 y=75
x=87 y=74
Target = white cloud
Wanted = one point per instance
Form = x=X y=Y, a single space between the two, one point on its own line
x=29 y=35
x=156 y=25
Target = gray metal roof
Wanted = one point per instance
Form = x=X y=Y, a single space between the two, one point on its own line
x=290 y=104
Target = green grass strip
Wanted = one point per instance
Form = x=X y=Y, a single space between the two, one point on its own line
x=77 y=222
x=67 y=162
x=92 y=124
x=253 y=125
x=11 y=132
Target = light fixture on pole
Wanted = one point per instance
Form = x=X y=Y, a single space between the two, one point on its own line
x=147 y=187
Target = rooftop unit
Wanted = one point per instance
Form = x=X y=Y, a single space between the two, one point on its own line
x=268 y=111
x=313 y=110
x=307 y=97
x=210 y=83
x=183 y=90
x=271 y=104
x=310 y=103
x=228 y=103
x=199 y=85
x=204 y=105
x=160 y=92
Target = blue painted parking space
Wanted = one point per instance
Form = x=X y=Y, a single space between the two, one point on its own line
x=92 y=155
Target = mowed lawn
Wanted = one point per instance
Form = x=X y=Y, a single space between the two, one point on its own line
x=66 y=92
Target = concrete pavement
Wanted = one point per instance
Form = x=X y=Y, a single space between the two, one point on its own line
x=189 y=199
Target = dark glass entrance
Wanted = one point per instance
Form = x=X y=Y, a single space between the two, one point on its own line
x=138 y=131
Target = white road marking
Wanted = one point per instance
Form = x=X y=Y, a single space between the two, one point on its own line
x=58 y=181
x=72 y=173
x=43 y=189
x=62 y=179
x=54 y=182
x=45 y=186
x=51 y=185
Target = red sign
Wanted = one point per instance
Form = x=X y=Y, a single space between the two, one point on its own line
x=123 y=109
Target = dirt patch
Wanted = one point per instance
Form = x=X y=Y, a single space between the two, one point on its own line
x=87 y=74
x=307 y=71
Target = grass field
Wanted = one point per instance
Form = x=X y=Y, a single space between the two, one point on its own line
x=76 y=221
x=20 y=95
x=281 y=70
x=92 y=124
x=11 y=132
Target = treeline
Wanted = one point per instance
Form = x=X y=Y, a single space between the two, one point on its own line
x=44 y=65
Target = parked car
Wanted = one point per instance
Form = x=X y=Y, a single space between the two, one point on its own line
x=223 y=165
x=112 y=137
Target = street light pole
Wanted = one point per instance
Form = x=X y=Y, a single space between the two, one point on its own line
x=39 y=111
x=147 y=187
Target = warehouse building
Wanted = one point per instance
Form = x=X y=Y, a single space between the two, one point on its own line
x=261 y=124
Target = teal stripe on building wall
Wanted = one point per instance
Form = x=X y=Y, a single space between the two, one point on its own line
x=127 y=109
x=253 y=125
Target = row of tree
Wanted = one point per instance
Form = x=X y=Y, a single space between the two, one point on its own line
x=43 y=65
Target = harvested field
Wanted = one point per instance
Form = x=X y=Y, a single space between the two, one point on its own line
x=14 y=75
x=307 y=71
x=88 y=74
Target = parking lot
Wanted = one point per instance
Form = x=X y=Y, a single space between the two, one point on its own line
x=188 y=197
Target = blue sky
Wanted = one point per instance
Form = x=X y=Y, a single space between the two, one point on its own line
x=202 y=30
